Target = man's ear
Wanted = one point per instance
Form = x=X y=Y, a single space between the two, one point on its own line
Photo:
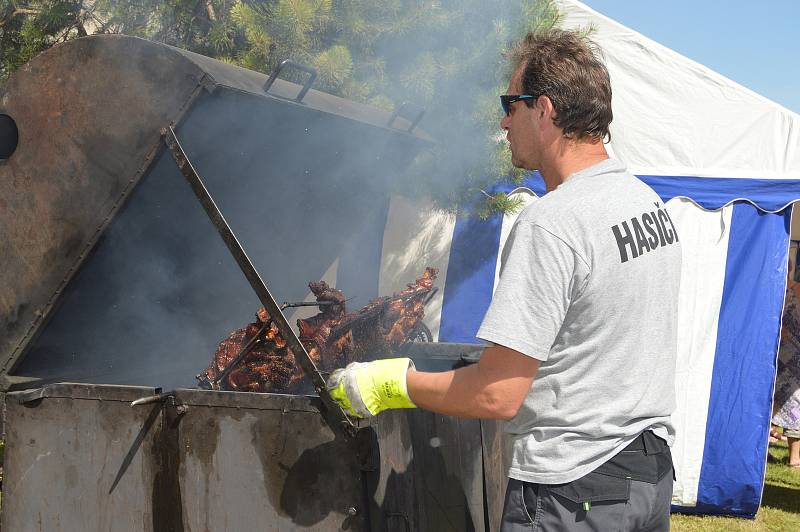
x=545 y=107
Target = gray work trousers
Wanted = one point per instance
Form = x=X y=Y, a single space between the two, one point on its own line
x=639 y=506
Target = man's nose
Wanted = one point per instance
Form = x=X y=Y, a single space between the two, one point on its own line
x=505 y=121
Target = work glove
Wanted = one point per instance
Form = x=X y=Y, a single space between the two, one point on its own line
x=363 y=389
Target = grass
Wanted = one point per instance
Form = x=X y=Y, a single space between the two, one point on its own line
x=780 y=505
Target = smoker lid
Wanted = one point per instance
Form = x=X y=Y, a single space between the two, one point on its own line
x=235 y=77
x=88 y=115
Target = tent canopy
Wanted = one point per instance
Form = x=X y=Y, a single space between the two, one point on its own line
x=675 y=117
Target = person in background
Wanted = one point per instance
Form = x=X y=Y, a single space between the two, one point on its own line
x=582 y=326
x=787 y=383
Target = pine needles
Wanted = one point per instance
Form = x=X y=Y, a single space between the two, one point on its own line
x=443 y=55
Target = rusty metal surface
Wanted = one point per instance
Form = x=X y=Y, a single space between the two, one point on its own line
x=79 y=458
x=88 y=114
x=268 y=463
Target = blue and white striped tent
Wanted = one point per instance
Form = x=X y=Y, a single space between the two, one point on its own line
x=727 y=163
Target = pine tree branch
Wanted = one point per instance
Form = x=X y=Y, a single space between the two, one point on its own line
x=26 y=11
x=19 y=11
x=212 y=15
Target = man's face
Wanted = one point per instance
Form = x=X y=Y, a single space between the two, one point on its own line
x=522 y=128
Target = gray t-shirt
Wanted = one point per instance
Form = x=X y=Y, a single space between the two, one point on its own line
x=589 y=285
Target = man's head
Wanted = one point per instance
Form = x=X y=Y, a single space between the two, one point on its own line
x=571 y=94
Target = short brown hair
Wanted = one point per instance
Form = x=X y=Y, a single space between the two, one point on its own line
x=566 y=67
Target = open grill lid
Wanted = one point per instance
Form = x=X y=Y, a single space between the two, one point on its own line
x=95 y=219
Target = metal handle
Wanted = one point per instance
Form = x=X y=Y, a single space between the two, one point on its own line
x=399 y=112
x=159 y=397
x=288 y=62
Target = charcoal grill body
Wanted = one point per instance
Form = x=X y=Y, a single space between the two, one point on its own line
x=115 y=281
x=79 y=457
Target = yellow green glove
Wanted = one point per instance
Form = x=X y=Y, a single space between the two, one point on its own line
x=364 y=389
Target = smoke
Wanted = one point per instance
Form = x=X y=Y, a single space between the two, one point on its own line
x=305 y=190
x=452 y=63
x=300 y=188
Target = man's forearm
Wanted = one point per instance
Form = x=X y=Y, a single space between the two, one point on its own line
x=454 y=393
x=492 y=389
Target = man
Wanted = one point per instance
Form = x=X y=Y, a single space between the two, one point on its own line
x=582 y=325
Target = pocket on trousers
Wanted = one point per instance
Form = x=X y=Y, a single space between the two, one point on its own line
x=519 y=511
x=530 y=500
x=594 y=487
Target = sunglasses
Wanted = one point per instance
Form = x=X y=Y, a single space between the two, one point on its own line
x=507 y=99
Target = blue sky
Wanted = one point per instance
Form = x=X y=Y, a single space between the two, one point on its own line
x=756 y=44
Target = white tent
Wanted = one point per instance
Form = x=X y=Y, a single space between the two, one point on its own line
x=727 y=162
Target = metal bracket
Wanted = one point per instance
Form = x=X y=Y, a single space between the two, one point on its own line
x=288 y=62
x=399 y=111
x=30 y=396
x=17 y=382
x=331 y=412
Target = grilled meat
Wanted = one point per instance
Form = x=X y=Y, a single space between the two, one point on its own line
x=332 y=338
x=268 y=367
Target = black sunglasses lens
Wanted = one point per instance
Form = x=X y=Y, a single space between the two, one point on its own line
x=506 y=101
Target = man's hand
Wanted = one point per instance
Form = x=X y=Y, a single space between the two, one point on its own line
x=364 y=389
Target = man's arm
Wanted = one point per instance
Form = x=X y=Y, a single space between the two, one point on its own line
x=494 y=388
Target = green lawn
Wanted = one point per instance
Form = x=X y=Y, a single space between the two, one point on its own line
x=780 y=507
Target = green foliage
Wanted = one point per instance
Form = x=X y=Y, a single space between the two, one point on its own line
x=27 y=28
x=443 y=55
x=498 y=202
x=335 y=68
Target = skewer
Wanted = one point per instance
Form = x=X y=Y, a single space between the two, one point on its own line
x=243 y=353
x=307 y=304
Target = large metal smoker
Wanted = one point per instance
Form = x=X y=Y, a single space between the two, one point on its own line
x=115 y=285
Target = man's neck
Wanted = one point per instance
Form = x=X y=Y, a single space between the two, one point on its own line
x=569 y=157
